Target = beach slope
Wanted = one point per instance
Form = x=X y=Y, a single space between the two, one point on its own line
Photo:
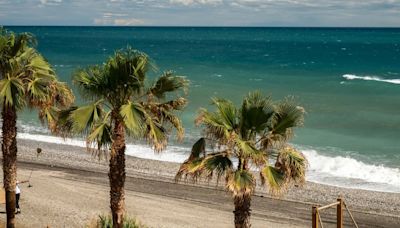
x=70 y=187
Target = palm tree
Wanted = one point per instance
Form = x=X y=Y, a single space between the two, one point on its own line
x=26 y=80
x=245 y=140
x=122 y=106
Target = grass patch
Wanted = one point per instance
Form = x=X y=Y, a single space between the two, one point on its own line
x=105 y=221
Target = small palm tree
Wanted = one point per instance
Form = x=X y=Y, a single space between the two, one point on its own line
x=26 y=80
x=122 y=106
x=245 y=140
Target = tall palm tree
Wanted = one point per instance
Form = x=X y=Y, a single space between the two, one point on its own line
x=122 y=105
x=242 y=141
x=26 y=80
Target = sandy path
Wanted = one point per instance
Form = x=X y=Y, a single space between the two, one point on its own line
x=70 y=188
x=62 y=199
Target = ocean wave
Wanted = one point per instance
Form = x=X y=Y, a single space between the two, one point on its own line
x=31 y=128
x=172 y=154
x=338 y=171
x=325 y=167
x=370 y=78
x=62 y=65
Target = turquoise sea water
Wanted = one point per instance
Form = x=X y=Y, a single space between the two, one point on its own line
x=347 y=79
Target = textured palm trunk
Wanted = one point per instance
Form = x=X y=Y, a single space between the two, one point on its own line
x=117 y=172
x=242 y=210
x=9 y=148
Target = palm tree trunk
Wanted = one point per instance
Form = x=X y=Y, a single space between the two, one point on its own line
x=242 y=210
x=117 y=171
x=9 y=148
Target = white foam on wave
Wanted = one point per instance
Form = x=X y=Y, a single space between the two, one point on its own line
x=370 y=78
x=338 y=171
x=52 y=139
x=172 y=153
x=347 y=167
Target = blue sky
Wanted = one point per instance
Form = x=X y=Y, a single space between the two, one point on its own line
x=364 y=13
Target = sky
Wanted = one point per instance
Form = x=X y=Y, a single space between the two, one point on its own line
x=340 y=13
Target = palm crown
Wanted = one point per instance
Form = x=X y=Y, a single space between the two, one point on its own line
x=27 y=79
x=123 y=103
x=118 y=90
x=253 y=135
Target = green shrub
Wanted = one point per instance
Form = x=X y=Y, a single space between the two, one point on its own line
x=105 y=221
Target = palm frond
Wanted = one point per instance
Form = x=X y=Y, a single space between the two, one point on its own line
x=218 y=163
x=255 y=134
x=214 y=126
x=91 y=82
x=85 y=117
x=38 y=91
x=197 y=149
x=137 y=60
x=49 y=115
x=38 y=65
x=155 y=133
x=119 y=79
x=248 y=150
x=287 y=116
x=191 y=170
x=257 y=112
x=274 y=179
x=100 y=137
x=192 y=166
x=168 y=82
x=21 y=41
x=175 y=121
x=64 y=121
x=177 y=104
x=27 y=78
x=227 y=113
x=292 y=163
x=133 y=115
x=62 y=95
x=241 y=182
x=12 y=92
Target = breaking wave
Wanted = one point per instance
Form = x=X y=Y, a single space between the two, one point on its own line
x=349 y=172
x=370 y=78
x=338 y=171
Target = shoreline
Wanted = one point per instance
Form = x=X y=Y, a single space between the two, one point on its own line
x=78 y=191
x=76 y=157
x=176 y=154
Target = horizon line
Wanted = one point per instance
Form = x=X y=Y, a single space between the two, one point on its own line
x=204 y=26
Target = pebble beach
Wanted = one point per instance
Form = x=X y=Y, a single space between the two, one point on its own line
x=385 y=206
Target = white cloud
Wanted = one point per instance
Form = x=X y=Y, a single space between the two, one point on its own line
x=192 y=2
x=337 y=4
x=109 y=14
x=118 y=21
x=202 y=12
x=51 y=2
x=128 y=21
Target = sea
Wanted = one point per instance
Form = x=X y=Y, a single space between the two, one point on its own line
x=347 y=79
